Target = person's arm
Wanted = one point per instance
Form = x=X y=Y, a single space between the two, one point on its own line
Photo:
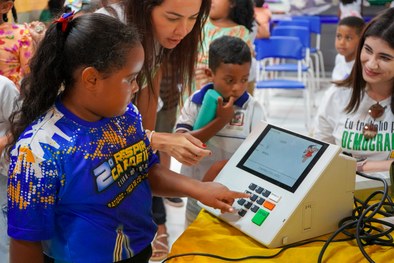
x=224 y=114
x=22 y=251
x=37 y=32
x=375 y=166
x=147 y=100
x=165 y=182
x=3 y=142
x=214 y=170
x=263 y=28
x=184 y=148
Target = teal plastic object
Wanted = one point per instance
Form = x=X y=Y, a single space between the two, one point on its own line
x=208 y=109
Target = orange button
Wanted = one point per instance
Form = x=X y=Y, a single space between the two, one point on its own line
x=269 y=205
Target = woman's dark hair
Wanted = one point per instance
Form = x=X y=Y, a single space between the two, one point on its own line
x=14 y=14
x=242 y=13
x=381 y=26
x=259 y=3
x=91 y=40
x=228 y=50
x=183 y=56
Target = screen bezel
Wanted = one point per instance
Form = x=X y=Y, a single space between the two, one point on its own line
x=241 y=164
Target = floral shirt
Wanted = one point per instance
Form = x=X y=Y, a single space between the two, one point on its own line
x=212 y=32
x=16 y=49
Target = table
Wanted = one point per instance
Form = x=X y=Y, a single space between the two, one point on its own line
x=208 y=234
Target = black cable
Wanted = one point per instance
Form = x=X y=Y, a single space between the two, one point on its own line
x=358 y=226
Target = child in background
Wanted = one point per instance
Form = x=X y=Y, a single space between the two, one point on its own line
x=349 y=8
x=226 y=18
x=236 y=114
x=346 y=41
x=8 y=96
x=357 y=113
x=262 y=15
x=82 y=170
x=16 y=45
x=54 y=9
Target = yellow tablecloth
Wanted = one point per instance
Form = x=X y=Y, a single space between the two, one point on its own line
x=208 y=234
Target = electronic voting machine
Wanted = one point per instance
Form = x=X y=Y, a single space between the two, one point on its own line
x=300 y=187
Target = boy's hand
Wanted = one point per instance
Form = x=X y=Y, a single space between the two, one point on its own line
x=225 y=111
x=219 y=196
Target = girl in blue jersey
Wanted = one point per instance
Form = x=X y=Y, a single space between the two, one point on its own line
x=82 y=170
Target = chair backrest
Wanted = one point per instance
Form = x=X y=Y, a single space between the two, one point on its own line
x=299 y=22
x=315 y=23
x=279 y=47
x=294 y=31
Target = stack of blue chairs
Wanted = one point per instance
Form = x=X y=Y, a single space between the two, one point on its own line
x=313 y=24
x=315 y=28
x=282 y=49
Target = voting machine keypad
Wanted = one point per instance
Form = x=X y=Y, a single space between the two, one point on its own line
x=260 y=202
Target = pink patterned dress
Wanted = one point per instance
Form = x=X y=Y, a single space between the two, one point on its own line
x=16 y=49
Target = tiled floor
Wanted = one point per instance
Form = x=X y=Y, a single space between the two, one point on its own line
x=286 y=110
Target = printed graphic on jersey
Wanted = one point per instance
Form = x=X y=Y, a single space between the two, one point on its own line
x=55 y=143
x=353 y=138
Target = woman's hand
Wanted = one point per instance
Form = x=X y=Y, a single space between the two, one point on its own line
x=182 y=146
x=219 y=196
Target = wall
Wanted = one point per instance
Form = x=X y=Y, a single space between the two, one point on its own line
x=29 y=10
x=30 y=5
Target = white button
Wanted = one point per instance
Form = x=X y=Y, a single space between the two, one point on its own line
x=274 y=197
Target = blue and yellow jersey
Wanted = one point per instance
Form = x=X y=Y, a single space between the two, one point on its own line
x=82 y=186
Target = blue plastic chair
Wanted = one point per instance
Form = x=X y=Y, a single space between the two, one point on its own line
x=288 y=48
x=303 y=34
x=298 y=22
x=315 y=27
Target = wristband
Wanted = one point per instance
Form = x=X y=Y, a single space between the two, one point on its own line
x=150 y=138
x=150 y=134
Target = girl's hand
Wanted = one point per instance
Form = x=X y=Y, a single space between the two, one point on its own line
x=219 y=196
x=37 y=31
x=225 y=111
x=182 y=146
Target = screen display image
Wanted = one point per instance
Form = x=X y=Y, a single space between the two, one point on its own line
x=282 y=157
